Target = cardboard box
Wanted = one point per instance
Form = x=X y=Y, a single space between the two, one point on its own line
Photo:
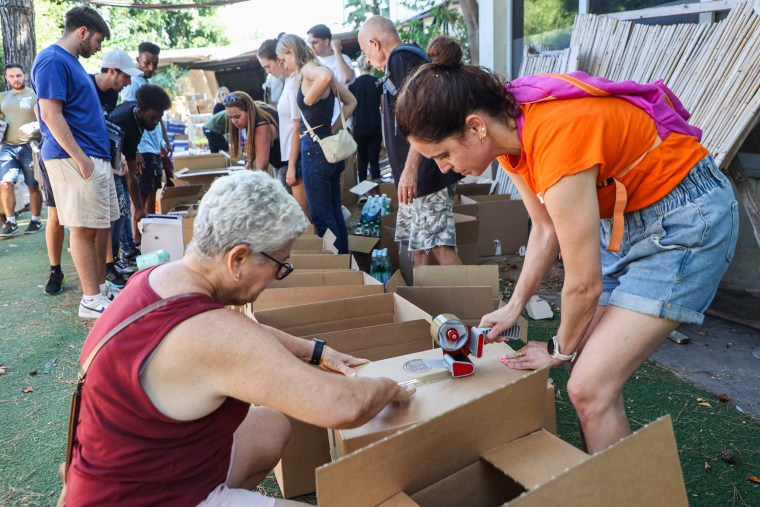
x=199 y=163
x=437 y=392
x=187 y=229
x=204 y=178
x=322 y=261
x=311 y=243
x=471 y=189
x=467 y=303
x=361 y=247
x=348 y=180
x=460 y=276
x=503 y=219
x=179 y=197
x=313 y=287
x=373 y=327
x=391 y=191
x=492 y=450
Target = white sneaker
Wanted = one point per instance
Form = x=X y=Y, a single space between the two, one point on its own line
x=110 y=293
x=94 y=308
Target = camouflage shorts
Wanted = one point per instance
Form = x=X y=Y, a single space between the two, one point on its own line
x=428 y=222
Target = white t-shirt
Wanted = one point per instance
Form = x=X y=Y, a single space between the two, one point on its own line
x=287 y=111
x=331 y=62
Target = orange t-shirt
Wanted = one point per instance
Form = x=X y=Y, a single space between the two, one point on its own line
x=565 y=137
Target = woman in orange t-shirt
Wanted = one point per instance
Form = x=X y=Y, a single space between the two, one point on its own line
x=630 y=281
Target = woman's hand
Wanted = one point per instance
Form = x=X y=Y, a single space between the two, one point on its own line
x=290 y=177
x=499 y=321
x=532 y=356
x=332 y=360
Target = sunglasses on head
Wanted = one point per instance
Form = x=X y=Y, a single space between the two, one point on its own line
x=230 y=99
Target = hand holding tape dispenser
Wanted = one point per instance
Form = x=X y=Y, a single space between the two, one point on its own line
x=458 y=341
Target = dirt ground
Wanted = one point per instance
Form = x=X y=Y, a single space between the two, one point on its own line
x=509 y=271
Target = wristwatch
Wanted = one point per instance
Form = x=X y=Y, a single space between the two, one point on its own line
x=316 y=356
x=553 y=348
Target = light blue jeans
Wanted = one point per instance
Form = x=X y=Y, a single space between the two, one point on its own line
x=675 y=251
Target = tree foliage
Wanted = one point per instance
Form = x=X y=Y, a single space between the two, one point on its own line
x=360 y=10
x=548 y=22
x=440 y=19
x=186 y=28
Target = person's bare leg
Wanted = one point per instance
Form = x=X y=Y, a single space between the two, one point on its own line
x=84 y=253
x=259 y=443
x=109 y=248
x=35 y=200
x=149 y=203
x=446 y=256
x=8 y=198
x=101 y=246
x=620 y=342
x=54 y=236
x=423 y=258
x=299 y=194
x=136 y=235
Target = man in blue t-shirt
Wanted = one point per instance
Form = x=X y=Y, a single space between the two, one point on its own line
x=76 y=149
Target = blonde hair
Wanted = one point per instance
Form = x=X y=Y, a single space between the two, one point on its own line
x=254 y=108
x=220 y=91
x=302 y=53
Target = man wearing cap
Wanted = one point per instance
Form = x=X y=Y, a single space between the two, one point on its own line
x=116 y=72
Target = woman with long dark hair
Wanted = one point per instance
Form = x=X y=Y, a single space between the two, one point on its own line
x=261 y=131
x=613 y=177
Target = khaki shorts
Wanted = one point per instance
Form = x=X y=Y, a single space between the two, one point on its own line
x=88 y=203
x=428 y=222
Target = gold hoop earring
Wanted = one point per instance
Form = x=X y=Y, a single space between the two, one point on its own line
x=236 y=277
x=483 y=136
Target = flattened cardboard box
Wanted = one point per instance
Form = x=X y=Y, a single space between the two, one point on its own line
x=501 y=218
x=373 y=327
x=437 y=392
x=195 y=163
x=313 y=287
x=491 y=450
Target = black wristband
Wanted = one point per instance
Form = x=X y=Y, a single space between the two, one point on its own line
x=316 y=356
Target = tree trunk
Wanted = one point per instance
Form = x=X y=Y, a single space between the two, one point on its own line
x=17 y=19
x=470 y=14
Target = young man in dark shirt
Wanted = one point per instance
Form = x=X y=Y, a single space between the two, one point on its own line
x=426 y=195
x=134 y=118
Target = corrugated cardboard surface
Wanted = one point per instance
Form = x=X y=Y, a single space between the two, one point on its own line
x=313 y=287
x=427 y=452
x=467 y=303
x=461 y=451
x=321 y=261
x=373 y=327
x=430 y=400
x=200 y=162
x=458 y=276
x=184 y=195
x=501 y=219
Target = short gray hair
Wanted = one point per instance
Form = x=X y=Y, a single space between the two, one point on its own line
x=246 y=207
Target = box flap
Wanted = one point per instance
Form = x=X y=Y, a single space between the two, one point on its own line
x=380 y=342
x=295 y=296
x=307 y=242
x=182 y=195
x=363 y=187
x=467 y=303
x=195 y=163
x=399 y=500
x=404 y=310
x=458 y=276
x=362 y=244
x=395 y=281
x=549 y=457
x=329 y=242
x=320 y=261
x=641 y=469
x=456 y=438
x=466 y=227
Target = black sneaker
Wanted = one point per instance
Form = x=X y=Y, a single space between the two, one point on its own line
x=33 y=227
x=115 y=280
x=9 y=230
x=122 y=268
x=131 y=255
x=55 y=283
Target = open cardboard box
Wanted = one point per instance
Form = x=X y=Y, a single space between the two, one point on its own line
x=311 y=243
x=196 y=163
x=437 y=392
x=372 y=327
x=491 y=450
x=309 y=262
x=502 y=219
x=179 y=197
x=204 y=178
x=304 y=287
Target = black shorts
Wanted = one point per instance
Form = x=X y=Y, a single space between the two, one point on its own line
x=150 y=179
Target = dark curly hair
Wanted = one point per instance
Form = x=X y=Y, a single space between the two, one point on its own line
x=439 y=96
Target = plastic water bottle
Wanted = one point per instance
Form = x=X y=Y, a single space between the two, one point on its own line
x=149 y=259
x=386 y=265
x=374 y=265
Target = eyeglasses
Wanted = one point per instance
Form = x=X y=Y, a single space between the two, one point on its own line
x=285 y=267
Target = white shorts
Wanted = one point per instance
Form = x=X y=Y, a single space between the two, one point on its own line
x=88 y=203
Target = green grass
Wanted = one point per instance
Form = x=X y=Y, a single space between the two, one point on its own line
x=35 y=329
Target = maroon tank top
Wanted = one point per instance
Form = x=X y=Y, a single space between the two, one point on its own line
x=127 y=452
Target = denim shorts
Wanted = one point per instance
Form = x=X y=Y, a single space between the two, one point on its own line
x=429 y=221
x=675 y=251
x=15 y=159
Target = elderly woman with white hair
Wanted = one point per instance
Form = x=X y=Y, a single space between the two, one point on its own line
x=186 y=404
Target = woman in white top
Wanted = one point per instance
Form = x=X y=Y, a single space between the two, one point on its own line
x=290 y=121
